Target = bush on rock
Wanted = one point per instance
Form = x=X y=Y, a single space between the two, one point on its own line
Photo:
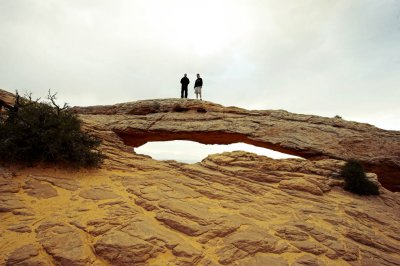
x=356 y=181
x=33 y=131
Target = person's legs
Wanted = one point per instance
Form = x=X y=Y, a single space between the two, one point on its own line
x=186 y=92
x=200 y=93
x=182 y=90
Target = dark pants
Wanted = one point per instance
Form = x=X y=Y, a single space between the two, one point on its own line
x=184 y=92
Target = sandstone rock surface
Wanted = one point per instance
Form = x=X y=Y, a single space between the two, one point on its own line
x=6 y=98
x=307 y=136
x=201 y=214
x=26 y=255
x=39 y=189
x=234 y=208
x=98 y=193
x=64 y=244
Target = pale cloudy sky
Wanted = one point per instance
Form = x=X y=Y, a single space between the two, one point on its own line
x=308 y=56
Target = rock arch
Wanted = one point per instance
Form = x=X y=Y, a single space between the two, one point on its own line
x=308 y=136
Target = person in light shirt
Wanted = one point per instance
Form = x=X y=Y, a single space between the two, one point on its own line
x=197 y=86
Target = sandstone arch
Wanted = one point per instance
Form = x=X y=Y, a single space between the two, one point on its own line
x=308 y=136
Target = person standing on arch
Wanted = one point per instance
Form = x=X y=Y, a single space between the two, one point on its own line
x=197 y=86
x=184 y=90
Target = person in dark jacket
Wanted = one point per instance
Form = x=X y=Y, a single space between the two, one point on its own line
x=184 y=90
x=197 y=86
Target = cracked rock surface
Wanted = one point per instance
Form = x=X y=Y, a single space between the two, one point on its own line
x=233 y=208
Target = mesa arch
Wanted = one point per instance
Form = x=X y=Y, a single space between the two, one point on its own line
x=308 y=136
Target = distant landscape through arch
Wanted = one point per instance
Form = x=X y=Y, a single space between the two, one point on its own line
x=192 y=152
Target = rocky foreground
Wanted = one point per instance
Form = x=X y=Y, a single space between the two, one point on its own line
x=231 y=209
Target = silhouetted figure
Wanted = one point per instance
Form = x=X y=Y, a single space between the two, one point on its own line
x=185 y=82
x=197 y=86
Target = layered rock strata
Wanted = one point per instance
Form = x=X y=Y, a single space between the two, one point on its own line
x=232 y=208
x=307 y=136
x=7 y=97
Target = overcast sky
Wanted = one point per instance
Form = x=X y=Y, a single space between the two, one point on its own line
x=331 y=57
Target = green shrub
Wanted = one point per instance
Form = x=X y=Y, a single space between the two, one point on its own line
x=356 y=181
x=34 y=131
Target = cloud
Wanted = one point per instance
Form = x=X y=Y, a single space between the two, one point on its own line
x=320 y=57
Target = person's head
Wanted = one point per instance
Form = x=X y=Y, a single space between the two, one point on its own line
x=184 y=75
x=198 y=75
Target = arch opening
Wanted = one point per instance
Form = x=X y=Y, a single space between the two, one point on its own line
x=137 y=138
x=193 y=152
